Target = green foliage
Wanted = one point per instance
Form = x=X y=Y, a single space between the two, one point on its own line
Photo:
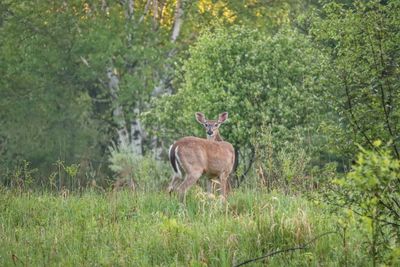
x=295 y=102
x=55 y=57
x=371 y=190
x=262 y=80
x=362 y=84
x=152 y=175
x=286 y=165
x=65 y=176
x=54 y=98
x=45 y=111
x=21 y=177
x=153 y=229
x=149 y=173
x=123 y=162
x=255 y=13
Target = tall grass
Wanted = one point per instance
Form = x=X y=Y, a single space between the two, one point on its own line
x=153 y=229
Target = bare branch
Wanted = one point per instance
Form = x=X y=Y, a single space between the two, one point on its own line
x=304 y=246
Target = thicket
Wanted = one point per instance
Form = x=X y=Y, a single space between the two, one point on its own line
x=369 y=195
x=362 y=85
x=268 y=84
x=313 y=83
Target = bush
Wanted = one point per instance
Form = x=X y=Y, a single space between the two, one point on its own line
x=138 y=171
x=263 y=82
x=371 y=190
x=362 y=82
x=287 y=165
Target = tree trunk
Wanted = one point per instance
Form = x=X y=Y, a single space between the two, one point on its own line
x=164 y=86
x=133 y=142
x=118 y=113
x=130 y=9
x=178 y=20
x=137 y=135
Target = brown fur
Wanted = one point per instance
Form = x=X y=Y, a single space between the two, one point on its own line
x=197 y=156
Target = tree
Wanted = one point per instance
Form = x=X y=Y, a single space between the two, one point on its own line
x=263 y=81
x=363 y=42
x=55 y=82
x=78 y=74
x=45 y=110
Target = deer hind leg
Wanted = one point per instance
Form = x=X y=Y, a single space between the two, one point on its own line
x=176 y=180
x=212 y=183
x=190 y=179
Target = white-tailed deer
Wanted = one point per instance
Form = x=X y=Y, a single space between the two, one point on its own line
x=195 y=156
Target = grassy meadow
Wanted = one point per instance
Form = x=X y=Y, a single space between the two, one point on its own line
x=94 y=93
x=154 y=229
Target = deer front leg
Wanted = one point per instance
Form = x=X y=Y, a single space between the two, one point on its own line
x=223 y=178
x=209 y=185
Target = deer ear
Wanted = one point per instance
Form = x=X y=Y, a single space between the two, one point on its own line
x=200 y=117
x=223 y=117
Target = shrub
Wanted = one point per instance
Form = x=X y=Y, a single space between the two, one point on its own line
x=371 y=190
x=264 y=81
x=138 y=171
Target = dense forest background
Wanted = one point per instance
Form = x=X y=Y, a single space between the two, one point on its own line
x=96 y=87
x=93 y=93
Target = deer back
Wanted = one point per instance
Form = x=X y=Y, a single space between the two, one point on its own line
x=206 y=156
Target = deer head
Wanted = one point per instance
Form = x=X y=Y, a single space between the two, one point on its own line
x=212 y=126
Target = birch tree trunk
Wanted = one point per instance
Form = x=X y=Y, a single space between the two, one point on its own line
x=137 y=134
x=130 y=9
x=178 y=21
x=133 y=142
x=129 y=140
x=164 y=86
x=130 y=133
x=118 y=113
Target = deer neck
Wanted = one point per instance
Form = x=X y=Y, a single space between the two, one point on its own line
x=217 y=137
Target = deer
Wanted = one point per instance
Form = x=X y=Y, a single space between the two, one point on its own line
x=193 y=157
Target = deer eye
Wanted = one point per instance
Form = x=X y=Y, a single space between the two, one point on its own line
x=216 y=125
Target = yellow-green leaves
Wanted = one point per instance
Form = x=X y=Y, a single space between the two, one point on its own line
x=371 y=190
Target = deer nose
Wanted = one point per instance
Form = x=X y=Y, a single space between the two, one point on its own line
x=209 y=132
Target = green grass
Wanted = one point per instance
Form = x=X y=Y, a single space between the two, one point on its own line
x=153 y=229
